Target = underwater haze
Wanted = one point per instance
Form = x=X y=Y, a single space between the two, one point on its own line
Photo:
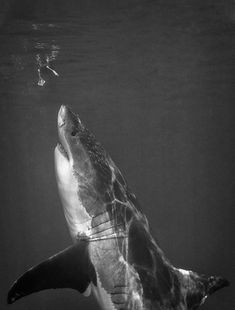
x=154 y=81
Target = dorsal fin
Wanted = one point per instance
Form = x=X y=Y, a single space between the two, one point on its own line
x=70 y=268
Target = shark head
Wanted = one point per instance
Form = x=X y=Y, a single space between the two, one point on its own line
x=82 y=171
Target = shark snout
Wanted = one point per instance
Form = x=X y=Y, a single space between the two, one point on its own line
x=69 y=128
x=68 y=118
x=64 y=127
x=62 y=115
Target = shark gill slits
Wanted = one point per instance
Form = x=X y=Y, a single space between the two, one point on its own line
x=100 y=218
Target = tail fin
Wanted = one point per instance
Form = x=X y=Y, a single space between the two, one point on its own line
x=199 y=287
x=216 y=283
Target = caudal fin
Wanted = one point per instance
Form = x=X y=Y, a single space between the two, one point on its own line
x=199 y=287
x=216 y=283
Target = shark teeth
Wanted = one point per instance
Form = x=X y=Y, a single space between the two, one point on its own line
x=62 y=150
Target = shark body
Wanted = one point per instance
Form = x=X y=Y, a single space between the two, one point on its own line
x=114 y=255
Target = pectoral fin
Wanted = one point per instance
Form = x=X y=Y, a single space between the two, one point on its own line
x=70 y=268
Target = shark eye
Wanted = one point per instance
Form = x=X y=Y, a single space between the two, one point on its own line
x=74 y=132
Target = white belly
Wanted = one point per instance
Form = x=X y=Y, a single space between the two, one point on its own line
x=79 y=221
x=102 y=297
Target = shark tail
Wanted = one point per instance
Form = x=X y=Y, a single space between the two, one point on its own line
x=215 y=283
x=199 y=287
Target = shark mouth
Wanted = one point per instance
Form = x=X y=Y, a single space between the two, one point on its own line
x=62 y=150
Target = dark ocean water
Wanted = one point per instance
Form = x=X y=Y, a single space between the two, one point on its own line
x=154 y=80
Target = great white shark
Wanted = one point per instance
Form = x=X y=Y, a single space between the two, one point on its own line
x=114 y=255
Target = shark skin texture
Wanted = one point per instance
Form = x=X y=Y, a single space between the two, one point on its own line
x=114 y=255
